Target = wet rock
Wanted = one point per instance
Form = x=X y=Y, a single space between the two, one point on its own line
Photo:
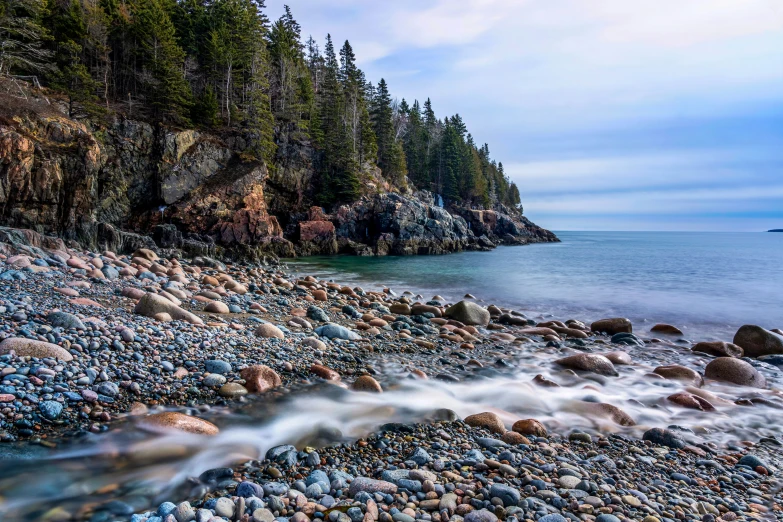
x=529 y=427
x=365 y=383
x=610 y=411
x=666 y=329
x=664 y=438
x=171 y=420
x=612 y=326
x=618 y=357
x=676 y=372
x=260 y=378
x=757 y=342
x=690 y=401
x=469 y=313
x=718 y=349
x=232 y=390
x=32 y=348
x=737 y=371
x=486 y=420
x=588 y=362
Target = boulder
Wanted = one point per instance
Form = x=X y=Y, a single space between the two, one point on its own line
x=588 y=362
x=612 y=326
x=529 y=427
x=152 y=304
x=366 y=383
x=675 y=372
x=260 y=378
x=718 y=349
x=486 y=420
x=602 y=409
x=469 y=313
x=758 y=342
x=216 y=307
x=737 y=371
x=666 y=329
x=33 y=348
x=690 y=401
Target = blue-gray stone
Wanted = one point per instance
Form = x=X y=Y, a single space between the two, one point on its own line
x=166 y=508
x=51 y=409
x=420 y=456
x=481 y=515
x=335 y=331
x=249 y=489
x=509 y=495
x=275 y=488
x=216 y=366
x=65 y=320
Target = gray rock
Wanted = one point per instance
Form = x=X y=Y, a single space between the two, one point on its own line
x=335 y=331
x=469 y=313
x=757 y=342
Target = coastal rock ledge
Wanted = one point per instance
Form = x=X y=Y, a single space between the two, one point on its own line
x=120 y=184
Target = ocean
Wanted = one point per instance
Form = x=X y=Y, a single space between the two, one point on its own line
x=707 y=283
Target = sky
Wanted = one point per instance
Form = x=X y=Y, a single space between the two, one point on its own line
x=608 y=114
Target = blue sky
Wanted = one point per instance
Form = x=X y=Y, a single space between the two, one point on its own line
x=608 y=114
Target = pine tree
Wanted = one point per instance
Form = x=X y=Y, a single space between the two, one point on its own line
x=165 y=86
x=22 y=37
x=391 y=157
x=339 y=180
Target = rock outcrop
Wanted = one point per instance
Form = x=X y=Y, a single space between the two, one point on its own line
x=122 y=184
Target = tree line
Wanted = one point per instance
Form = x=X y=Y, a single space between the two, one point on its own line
x=222 y=64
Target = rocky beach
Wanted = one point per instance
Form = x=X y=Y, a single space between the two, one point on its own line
x=156 y=387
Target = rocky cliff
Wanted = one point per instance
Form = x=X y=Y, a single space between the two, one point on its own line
x=120 y=184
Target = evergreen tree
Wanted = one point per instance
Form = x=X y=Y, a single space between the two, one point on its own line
x=22 y=37
x=165 y=86
x=391 y=158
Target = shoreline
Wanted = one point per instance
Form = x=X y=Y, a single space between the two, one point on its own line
x=142 y=367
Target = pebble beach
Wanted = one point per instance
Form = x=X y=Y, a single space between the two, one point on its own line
x=149 y=388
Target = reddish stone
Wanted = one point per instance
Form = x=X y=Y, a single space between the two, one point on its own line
x=311 y=230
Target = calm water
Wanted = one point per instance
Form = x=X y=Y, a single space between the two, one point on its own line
x=709 y=282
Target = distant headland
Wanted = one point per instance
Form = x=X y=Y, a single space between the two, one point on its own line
x=776 y=230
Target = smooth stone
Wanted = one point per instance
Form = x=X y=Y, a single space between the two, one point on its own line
x=737 y=371
x=171 y=420
x=675 y=372
x=269 y=331
x=260 y=378
x=757 y=341
x=487 y=420
x=232 y=390
x=335 y=331
x=612 y=326
x=33 y=348
x=529 y=427
x=718 y=349
x=366 y=383
x=589 y=362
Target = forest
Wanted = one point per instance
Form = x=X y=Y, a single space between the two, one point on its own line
x=223 y=65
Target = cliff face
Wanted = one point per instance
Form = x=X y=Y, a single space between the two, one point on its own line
x=124 y=183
